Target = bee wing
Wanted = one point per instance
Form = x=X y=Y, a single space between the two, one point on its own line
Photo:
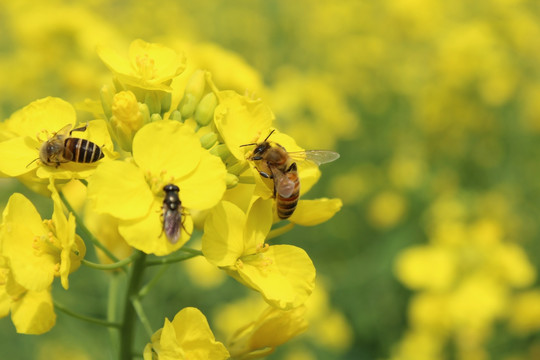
x=282 y=184
x=64 y=131
x=316 y=156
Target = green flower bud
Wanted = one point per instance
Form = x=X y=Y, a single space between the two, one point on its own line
x=152 y=99
x=236 y=167
x=208 y=140
x=166 y=99
x=176 y=115
x=155 y=117
x=193 y=93
x=221 y=150
x=205 y=110
x=231 y=180
x=107 y=94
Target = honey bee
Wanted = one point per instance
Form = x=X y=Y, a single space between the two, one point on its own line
x=62 y=148
x=280 y=165
x=172 y=213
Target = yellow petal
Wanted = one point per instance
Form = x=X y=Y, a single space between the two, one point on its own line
x=259 y=222
x=223 y=238
x=203 y=189
x=49 y=114
x=18 y=155
x=195 y=337
x=146 y=233
x=314 y=212
x=33 y=313
x=22 y=224
x=241 y=120
x=284 y=275
x=167 y=147
x=119 y=189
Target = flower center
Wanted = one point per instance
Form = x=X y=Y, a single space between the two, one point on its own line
x=47 y=244
x=146 y=67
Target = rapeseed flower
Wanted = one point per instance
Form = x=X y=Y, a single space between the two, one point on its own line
x=27 y=130
x=148 y=66
x=235 y=242
x=164 y=152
x=188 y=336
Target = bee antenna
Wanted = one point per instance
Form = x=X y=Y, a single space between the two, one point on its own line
x=271 y=132
x=31 y=162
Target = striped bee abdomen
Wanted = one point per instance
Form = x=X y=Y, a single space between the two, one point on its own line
x=82 y=151
x=286 y=205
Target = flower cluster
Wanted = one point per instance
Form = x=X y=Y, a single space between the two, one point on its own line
x=152 y=134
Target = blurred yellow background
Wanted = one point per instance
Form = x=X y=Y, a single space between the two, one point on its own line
x=435 y=109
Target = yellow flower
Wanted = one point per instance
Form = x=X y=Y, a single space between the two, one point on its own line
x=148 y=66
x=234 y=241
x=241 y=120
x=272 y=328
x=31 y=311
x=188 y=336
x=525 y=312
x=164 y=152
x=128 y=116
x=36 y=123
x=37 y=250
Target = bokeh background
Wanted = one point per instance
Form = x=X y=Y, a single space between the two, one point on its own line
x=435 y=109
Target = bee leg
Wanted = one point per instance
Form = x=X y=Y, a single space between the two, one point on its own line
x=292 y=167
x=265 y=175
x=83 y=128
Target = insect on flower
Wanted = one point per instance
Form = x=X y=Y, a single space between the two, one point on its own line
x=62 y=148
x=280 y=165
x=172 y=213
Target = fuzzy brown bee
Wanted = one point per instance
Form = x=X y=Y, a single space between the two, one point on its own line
x=62 y=148
x=278 y=164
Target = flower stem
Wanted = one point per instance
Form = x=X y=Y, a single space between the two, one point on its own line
x=171 y=260
x=113 y=266
x=127 y=329
x=279 y=231
x=142 y=316
x=112 y=302
x=85 y=233
x=84 y=317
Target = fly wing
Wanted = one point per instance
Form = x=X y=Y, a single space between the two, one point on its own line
x=316 y=156
x=172 y=221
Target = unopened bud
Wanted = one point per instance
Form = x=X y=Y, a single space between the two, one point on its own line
x=208 y=140
x=221 y=150
x=192 y=94
x=231 y=180
x=176 y=115
x=205 y=110
x=155 y=117
x=107 y=94
x=126 y=118
x=152 y=99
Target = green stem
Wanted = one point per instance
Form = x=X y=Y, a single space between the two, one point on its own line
x=84 y=317
x=146 y=288
x=113 y=266
x=112 y=315
x=162 y=261
x=127 y=330
x=85 y=233
x=279 y=231
x=142 y=316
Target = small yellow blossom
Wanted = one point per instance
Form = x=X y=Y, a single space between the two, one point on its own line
x=36 y=123
x=127 y=117
x=148 y=66
x=132 y=192
x=234 y=241
x=188 y=336
x=37 y=250
x=271 y=329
